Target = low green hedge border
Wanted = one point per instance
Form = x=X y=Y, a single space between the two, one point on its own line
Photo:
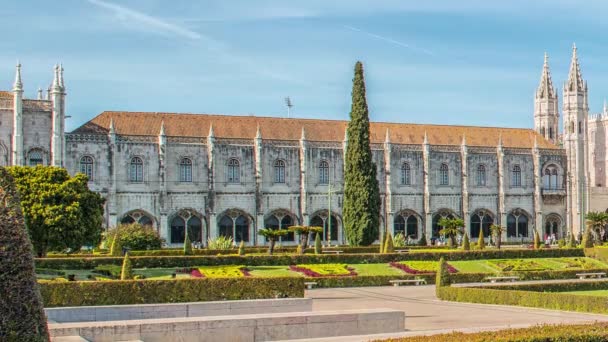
x=548 y=287
x=277 y=260
x=579 y=333
x=55 y=294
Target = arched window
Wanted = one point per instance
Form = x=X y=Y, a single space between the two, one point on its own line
x=399 y=225
x=323 y=221
x=323 y=172
x=550 y=132
x=86 y=167
x=36 y=157
x=481 y=175
x=136 y=173
x=407 y=224
x=237 y=228
x=517 y=224
x=280 y=221
x=178 y=228
x=571 y=126
x=516 y=176
x=234 y=171
x=137 y=216
x=481 y=220
x=185 y=170
x=279 y=171
x=550 y=177
x=406 y=178
x=444 y=177
x=435 y=223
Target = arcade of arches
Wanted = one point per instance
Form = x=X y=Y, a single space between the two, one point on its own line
x=183 y=219
x=330 y=226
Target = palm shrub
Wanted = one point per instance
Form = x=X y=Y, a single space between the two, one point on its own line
x=451 y=229
x=22 y=316
x=497 y=232
x=187 y=244
x=242 y=248
x=597 y=222
x=272 y=235
x=536 y=240
x=587 y=239
x=318 y=244
x=388 y=246
x=127 y=269
x=220 y=243
x=304 y=232
x=481 y=242
x=466 y=244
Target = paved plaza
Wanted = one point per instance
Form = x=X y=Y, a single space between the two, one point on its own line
x=425 y=314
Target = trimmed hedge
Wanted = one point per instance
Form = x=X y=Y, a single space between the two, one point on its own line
x=120 y=292
x=595 y=332
x=557 y=287
x=277 y=260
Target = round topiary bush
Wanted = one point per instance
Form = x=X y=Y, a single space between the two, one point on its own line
x=134 y=236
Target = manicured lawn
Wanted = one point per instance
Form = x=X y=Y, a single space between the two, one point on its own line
x=472 y=266
x=272 y=271
x=375 y=269
x=599 y=293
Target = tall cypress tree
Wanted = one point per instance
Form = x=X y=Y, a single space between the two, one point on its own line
x=361 y=193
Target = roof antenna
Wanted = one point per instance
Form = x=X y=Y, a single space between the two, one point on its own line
x=289 y=105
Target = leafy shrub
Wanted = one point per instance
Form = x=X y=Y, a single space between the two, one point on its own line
x=187 y=244
x=275 y=260
x=220 y=243
x=324 y=270
x=516 y=265
x=118 y=292
x=399 y=240
x=318 y=245
x=422 y=242
x=537 y=242
x=443 y=275
x=242 y=248
x=587 y=239
x=466 y=244
x=481 y=242
x=134 y=236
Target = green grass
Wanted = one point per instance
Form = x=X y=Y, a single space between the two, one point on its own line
x=327 y=269
x=472 y=266
x=599 y=293
x=375 y=270
x=272 y=271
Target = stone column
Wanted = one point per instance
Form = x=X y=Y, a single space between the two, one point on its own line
x=388 y=206
x=500 y=155
x=464 y=153
x=426 y=151
x=538 y=209
x=164 y=227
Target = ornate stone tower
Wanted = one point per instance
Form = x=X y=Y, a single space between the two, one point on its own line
x=58 y=118
x=576 y=112
x=546 y=114
x=17 y=152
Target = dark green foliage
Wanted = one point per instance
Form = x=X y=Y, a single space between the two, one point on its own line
x=134 y=236
x=115 y=248
x=110 y=271
x=361 y=193
x=545 y=333
x=187 y=244
x=451 y=229
x=466 y=244
x=274 y=260
x=596 y=222
x=443 y=275
x=481 y=242
x=120 y=292
x=304 y=232
x=422 y=242
x=272 y=235
x=318 y=245
x=389 y=247
x=60 y=211
x=587 y=239
x=127 y=270
x=21 y=315
x=537 y=242
x=242 y=248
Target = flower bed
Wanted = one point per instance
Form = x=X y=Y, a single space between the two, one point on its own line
x=517 y=265
x=223 y=271
x=420 y=267
x=326 y=270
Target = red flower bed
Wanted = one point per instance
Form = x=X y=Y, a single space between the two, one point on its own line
x=185 y=270
x=410 y=270
x=245 y=272
x=310 y=273
x=196 y=273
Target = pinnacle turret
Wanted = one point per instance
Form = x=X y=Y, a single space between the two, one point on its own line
x=575 y=79
x=55 y=87
x=545 y=88
x=303 y=136
x=18 y=85
x=162 y=128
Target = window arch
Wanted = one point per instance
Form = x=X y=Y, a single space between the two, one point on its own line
x=136 y=173
x=444 y=177
x=481 y=220
x=236 y=225
x=137 y=216
x=571 y=126
x=279 y=171
x=481 y=175
x=186 y=219
x=406 y=174
x=552 y=225
x=406 y=223
x=550 y=177
x=516 y=176
x=234 y=171
x=323 y=172
x=281 y=220
x=185 y=170
x=36 y=157
x=329 y=225
x=435 y=227
x=86 y=167
x=517 y=224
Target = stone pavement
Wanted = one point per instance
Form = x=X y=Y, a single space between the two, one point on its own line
x=425 y=314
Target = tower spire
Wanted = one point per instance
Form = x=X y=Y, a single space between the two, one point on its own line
x=575 y=79
x=55 y=86
x=545 y=88
x=61 y=84
x=303 y=136
x=18 y=85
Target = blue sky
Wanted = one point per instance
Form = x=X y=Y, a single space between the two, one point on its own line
x=443 y=61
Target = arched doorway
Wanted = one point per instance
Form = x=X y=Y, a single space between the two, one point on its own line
x=186 y=218
x=331 y=227
x=481 y=219
x=442 y=213
x=553 y=225
x=281 y=219
x=236 y=224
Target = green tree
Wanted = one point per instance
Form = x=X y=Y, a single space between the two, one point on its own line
x=481 y=242
x=318 y=245
x=304 y=232
x=497 y=231
x=451 y=229
x=597 y=222
x=443 y=275
x=361 y=193
x=422 y=241
x=242 y=248
x=272 y=235
x=127 y=268
x=22 y=316
x=587 y=239
x=466 y=244
x=187 y=244
x=389 y=247
x=60 y=211
x=537 y=243
x=135 y=236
